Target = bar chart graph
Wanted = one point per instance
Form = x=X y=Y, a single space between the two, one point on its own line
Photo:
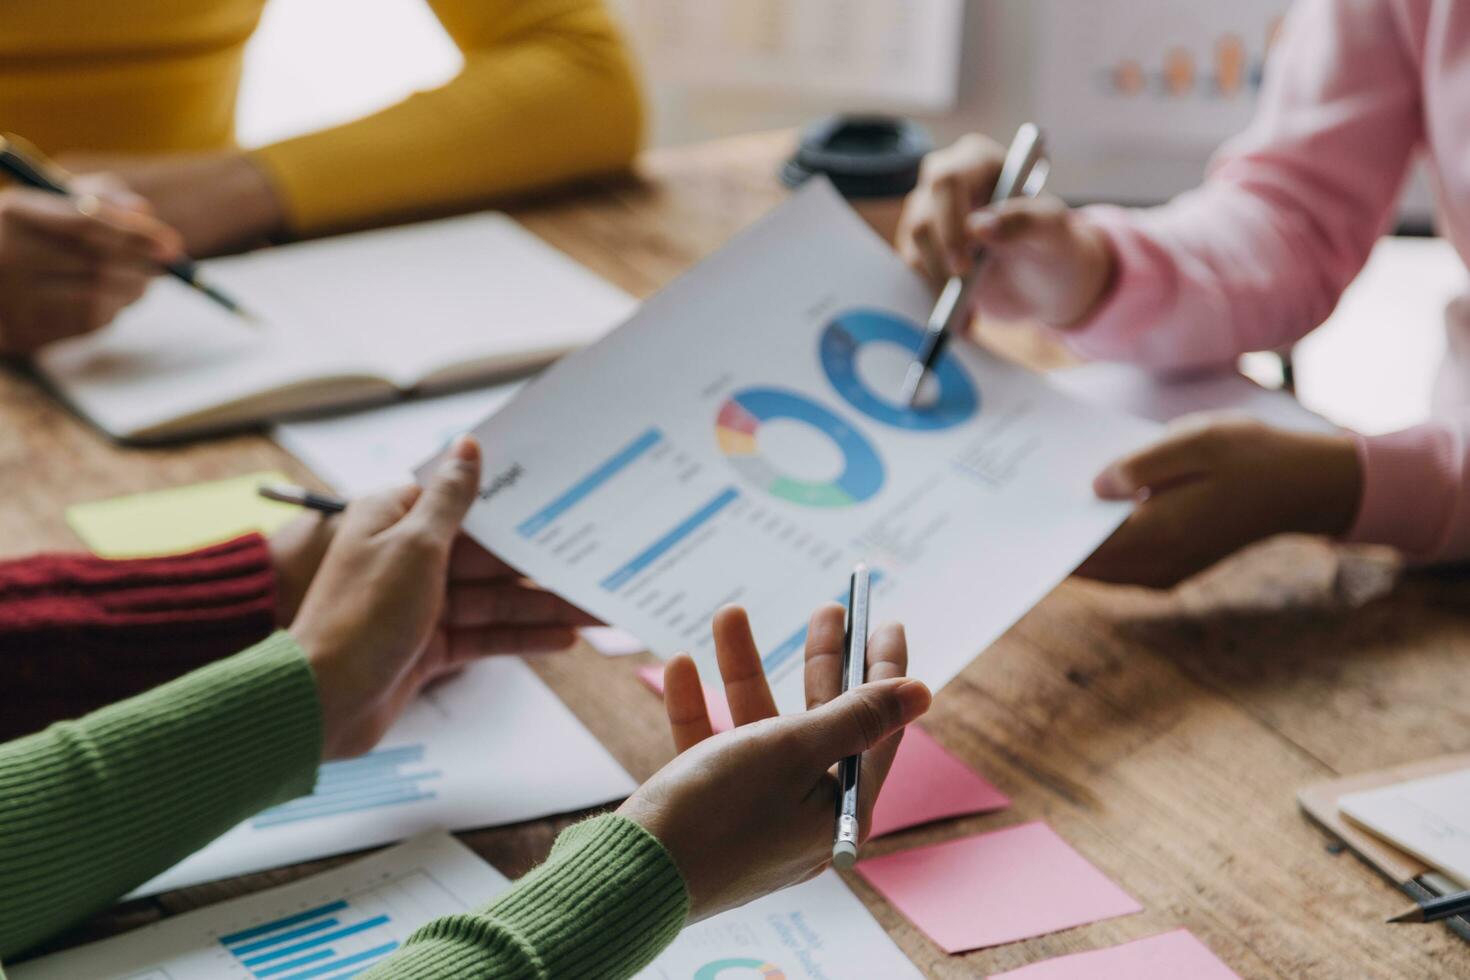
x=326 y=941
x=383 y=778
x=335 y=925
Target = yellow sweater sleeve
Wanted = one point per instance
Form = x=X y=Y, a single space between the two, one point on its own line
x=547 y=94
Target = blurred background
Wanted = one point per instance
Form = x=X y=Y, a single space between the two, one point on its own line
x=1134 y=96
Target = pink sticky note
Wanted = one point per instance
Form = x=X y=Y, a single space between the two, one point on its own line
x=996 y=888
x=1168 y=956
x=719 y=709
x=926 y=783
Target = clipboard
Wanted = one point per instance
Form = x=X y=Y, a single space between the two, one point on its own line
x=1413 y=877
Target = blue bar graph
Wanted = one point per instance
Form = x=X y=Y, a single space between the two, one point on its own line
x=538 y=521
x=680 y=531
x=794 y=643
x=386 y=777
x=297 y=947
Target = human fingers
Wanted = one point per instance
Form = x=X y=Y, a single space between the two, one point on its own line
x=509 y=602
x=92 y=223
x=746 y=688
x=468 y=560
x=448 y=494
x=1180 y=455
x=859 y=719
x=689 y=720
x=472 y=643
x=826 y=640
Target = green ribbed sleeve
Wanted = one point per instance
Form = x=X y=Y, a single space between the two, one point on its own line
x=601 y=907
x=90 y=809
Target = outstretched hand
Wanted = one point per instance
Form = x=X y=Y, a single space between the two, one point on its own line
x=750 y=811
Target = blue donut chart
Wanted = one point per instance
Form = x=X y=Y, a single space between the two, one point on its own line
x=851 y=330
x=740 y=419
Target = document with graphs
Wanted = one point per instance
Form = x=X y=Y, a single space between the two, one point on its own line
x=741 y=440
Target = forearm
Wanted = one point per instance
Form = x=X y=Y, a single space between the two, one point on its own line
x=604 y=904
x=549 y=99
x=79 y=632
x=93 y=808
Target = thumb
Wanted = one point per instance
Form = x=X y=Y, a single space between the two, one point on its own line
x=447 y=496
x=861 y=718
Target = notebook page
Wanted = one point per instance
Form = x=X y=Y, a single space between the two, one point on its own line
x=1429 y=818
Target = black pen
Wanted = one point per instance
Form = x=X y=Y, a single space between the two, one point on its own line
x=302 y=497
x=32 y=170
x=1436 y=908
x=854 y=672
x=1023 y=174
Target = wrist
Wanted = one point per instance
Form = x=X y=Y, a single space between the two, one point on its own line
x=244 y=193
x=1097 y=269
x=1330 y=484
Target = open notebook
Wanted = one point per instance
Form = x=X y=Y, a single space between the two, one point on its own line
x=357 y=318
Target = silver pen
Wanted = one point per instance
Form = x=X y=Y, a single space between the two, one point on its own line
x=854 y=672
x=1023 y=174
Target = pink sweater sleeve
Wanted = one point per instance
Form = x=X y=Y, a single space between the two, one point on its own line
x=1259 y=254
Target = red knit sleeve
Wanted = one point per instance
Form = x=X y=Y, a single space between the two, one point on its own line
x=78 y=632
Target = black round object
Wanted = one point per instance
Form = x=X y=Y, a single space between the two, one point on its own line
x=864 y=156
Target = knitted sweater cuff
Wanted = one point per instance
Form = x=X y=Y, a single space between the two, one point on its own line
x=603 y=905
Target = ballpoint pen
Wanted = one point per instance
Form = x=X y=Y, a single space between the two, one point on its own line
x=302 y=497
x=28 y=167
x=1022 y=175
x=854 y=672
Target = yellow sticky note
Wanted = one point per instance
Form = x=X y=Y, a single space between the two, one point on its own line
x=179 y=519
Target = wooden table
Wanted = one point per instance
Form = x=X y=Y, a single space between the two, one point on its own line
x=1163 y=735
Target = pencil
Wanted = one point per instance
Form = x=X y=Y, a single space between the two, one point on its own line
x=1436 y=908
x=34 y=171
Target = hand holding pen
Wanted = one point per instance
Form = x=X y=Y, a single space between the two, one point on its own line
x=748 y=811
x=75 y=251
x=1023 y=173
x=1042 y=262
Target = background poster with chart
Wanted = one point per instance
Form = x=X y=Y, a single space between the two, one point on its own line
x=1112 y=72
x=739 y=440
x=894 y=53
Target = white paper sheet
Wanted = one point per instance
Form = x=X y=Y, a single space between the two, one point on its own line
x=338 y=922
x=1429 y=818
x=375 y=449
x=814 y=930
x=1133 y=390
x=738 y=440
x=491 y=746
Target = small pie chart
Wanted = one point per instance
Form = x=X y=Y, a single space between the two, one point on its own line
x=743 y=966
x=853 y=335
x=738 y=425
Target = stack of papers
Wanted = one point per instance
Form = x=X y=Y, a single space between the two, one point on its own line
x=1429 y=818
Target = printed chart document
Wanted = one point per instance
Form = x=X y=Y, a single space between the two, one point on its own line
x=817 y=930
x=739 y=440
x=491 y=746
x=334 y=924
x=350 y=319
